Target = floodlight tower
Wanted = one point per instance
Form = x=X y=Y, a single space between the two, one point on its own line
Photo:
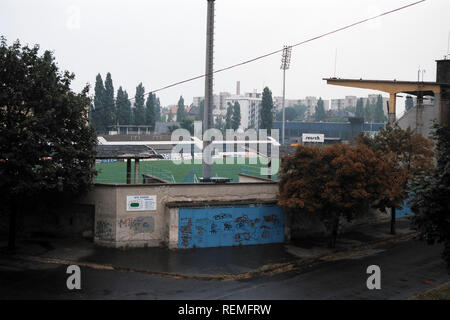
x=207 y=112
x=285 y=62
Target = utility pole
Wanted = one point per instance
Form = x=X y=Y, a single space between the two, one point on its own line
x=207 y=112
x=285 y=62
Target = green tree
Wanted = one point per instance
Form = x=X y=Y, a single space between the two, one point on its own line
x=158 y=116
x=408 y=154
x=109 y=103
x=379 y=116
x=430 y=202
x=188 y=124
x=46 y=144
x=150 y=111
x=368 y=116
x=181 y=112
x=266 y=111
x=320 y=111
x=229 y=117
x=289 y=113
x=300 y=111
x=359 y=108
x=409 y=103
x=98 y=114
x=236 y=118
x=220 y=124
x=139 y=100
x=332 y=183
x=202 y=110
x=123 y=106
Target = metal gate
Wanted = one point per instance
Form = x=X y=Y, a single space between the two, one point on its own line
x=230 y=226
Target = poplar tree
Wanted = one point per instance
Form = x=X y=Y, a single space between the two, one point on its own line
x=157 y=109
x=379 y=114
x=229 y=116
x=359 y=108
x=266 y=112
x=150 y=116
x=98 y=113
x=236 y=118
x=139 y=111
x=123 y=106
x=108 y=103
x=320 y=111
x=181 y=112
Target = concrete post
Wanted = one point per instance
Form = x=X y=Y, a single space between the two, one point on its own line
x=136 y=171
x=391 y=111
x=207 y=112
x=128 y=171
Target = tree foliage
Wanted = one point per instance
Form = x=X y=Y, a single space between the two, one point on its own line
x=266 y=111
x=408 y=154
x=123 y=107
x=109 y=113
x=320 y=111
x=150 y=111
x=379 y=116
x=46 y=144
x=289 y=113
x=229 y=116
x=332 y=182
x=430 y=202
x=98 y=110
x=236 y=118
x=409 y=103
x=359 y=112
x=139 y=110
x=181 y=112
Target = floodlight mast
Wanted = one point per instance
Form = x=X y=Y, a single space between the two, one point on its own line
x=285 y=62
x=207 y=112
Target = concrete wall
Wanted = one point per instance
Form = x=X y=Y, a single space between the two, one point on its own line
x=118 y=227
x=230 y=226
x=420 y=119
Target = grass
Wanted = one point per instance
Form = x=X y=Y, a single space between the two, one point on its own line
x=440 y=293
x=115 y=172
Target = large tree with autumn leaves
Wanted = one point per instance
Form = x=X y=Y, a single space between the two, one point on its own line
x=408 y=154
x=334 y=182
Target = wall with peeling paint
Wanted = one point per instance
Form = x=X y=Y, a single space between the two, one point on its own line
x=117 y=227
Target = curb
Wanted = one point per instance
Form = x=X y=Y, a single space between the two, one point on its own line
x=265 y=270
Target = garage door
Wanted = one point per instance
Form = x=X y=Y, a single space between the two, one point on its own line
x=230 y=226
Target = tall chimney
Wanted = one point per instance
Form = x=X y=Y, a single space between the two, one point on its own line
x=238 y=88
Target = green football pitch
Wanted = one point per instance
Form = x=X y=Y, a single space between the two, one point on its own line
x=115 y=172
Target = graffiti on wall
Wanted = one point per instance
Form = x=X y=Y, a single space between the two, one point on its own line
x=138 y=224
x=103 y=230
x=228 y=226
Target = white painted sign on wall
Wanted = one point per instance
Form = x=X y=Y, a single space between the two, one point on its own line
x=141 y=203
x=313 y=137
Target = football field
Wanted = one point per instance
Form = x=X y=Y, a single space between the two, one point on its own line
x=115 y=172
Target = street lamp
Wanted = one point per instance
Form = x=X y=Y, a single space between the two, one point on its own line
x=285 y=62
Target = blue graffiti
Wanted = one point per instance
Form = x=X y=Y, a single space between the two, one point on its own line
x=230 y=226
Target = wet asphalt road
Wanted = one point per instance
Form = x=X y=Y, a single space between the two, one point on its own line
x=407 y=268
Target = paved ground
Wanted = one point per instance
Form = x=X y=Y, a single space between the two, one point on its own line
x=204 y=261
x=407 y=268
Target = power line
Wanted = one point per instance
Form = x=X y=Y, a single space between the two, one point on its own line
x=280 y=50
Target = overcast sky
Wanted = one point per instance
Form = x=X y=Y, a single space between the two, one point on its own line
x=158 y=42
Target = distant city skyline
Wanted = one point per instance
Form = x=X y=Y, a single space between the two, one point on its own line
x=161 y=42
